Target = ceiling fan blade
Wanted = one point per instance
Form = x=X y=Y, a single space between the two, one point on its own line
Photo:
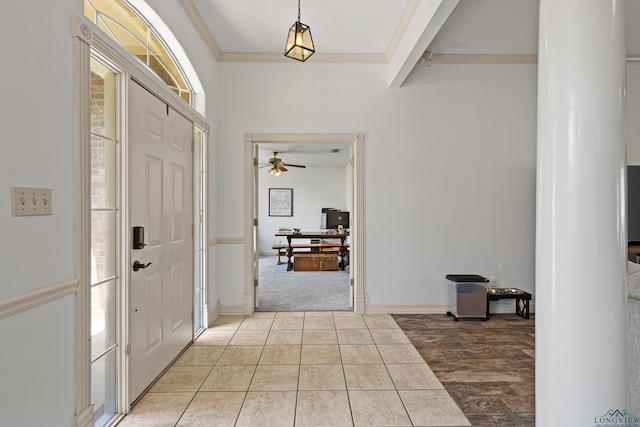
x=294 y=166
x=282 y=168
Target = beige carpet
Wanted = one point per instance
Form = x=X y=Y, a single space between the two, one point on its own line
x=283 y=291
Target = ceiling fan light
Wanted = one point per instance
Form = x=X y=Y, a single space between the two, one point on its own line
x=299 y=42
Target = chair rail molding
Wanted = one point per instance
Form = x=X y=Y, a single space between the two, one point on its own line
x=27 y=300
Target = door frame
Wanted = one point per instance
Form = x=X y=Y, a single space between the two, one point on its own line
x=356 y=257
x=88 y=41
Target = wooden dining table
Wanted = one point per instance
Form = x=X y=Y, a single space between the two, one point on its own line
x=291 y=235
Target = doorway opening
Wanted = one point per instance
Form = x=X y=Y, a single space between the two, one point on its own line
x=353 y=181
x=317 y=179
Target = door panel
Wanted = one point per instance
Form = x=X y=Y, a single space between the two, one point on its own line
x=160 y=199
x=153 y=322
x=177 y=193
x=153 y=200
x=179 y=292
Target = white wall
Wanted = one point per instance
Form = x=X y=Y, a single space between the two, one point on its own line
x=449 y=178
x=449 y=165
x=37 y=350
x=37 y=385
x=37 y=347
x=314 y=188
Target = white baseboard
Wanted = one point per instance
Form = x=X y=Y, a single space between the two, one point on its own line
x=212 y=316
x=238 y=310
x=405 y=309
x=231 y=310
x=86 y=417
x=275 y=253
x=496 y=307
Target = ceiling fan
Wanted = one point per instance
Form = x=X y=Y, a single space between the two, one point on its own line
x=278 y=166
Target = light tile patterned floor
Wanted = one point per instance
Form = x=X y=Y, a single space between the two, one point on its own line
x=299 y=369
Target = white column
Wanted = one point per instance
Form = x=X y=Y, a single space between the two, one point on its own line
x=580 y=315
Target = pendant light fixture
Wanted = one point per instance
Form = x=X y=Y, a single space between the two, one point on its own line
x=299 y=42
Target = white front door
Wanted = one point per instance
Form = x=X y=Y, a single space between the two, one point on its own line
x=161 y=289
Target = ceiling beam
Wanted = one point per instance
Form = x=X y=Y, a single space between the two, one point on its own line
x=429 y=18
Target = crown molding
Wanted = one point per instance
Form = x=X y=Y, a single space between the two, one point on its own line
x=326 y=58
x=347 y=58
x=472 y=58
x=192 y=12
x=408 y=15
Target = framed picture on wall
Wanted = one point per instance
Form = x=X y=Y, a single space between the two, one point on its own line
x=281 y=202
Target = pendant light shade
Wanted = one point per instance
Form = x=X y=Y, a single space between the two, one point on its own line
x=299 y=41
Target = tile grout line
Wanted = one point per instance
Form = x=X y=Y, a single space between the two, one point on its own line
x=299 y=365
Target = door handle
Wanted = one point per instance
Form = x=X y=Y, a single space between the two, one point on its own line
x=137 y=265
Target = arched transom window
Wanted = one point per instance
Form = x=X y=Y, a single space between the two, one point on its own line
x=122 y=23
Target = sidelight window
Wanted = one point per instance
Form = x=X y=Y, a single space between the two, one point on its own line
x=105 y=282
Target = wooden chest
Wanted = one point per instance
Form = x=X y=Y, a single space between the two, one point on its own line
x=315 y=261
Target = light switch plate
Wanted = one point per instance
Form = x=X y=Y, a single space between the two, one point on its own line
x=28 y=201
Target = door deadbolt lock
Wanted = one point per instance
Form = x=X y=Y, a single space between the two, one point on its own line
x=138 y=238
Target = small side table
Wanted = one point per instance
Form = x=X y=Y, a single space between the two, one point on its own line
x=521 y=298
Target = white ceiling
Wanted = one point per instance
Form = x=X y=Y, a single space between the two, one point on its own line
x=374 y=31
x=337 y=26
x=306 y=154
x=369 y=26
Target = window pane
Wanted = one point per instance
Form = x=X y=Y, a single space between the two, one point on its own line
x=118 y=12
x=197 y=150
x=103 y=317
x=197 y=230
x=103 y=388
x=103 y=245
x=197 y=190
x=103 y=173
x=197 y=276
x=133 y=44
x=123 y=24
x=158 y=50
x=158 y=67
x=103 y=102
x=197 y=321
x=89 y=11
